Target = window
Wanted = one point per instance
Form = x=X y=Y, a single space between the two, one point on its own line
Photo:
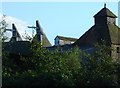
x=58 y=42
x=118 y=49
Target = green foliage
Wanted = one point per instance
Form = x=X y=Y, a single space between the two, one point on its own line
x=98 y=68
x=59 y=68
x=3 y=26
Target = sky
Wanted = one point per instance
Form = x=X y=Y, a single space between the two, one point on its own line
x=70 y=19
x=119 y=13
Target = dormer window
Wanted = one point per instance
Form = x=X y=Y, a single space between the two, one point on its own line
x=61 y=40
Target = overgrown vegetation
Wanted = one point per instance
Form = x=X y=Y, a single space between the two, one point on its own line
x=73 y=68
x=58 y=69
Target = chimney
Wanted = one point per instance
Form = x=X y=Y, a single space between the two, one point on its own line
x=39 y=31
x=14 y=33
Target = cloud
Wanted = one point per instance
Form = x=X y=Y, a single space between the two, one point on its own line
x=20 y=25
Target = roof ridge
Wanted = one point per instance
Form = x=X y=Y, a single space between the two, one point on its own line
x=66 y=37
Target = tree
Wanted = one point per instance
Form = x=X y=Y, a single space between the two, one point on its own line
x=59 y=68
x=99 y=68
x=3 y=26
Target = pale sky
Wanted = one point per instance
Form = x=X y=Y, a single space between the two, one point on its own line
x=119 y=14
x=70 y=19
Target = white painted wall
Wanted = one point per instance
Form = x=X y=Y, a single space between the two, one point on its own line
x=62 y=42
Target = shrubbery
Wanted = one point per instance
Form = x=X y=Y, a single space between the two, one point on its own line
x=58 y=69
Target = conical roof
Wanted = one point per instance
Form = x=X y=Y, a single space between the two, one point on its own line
x=45 y=41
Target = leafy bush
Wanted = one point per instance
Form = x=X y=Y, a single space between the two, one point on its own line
x=58 y=69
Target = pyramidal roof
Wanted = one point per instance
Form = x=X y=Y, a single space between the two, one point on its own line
x=110 y=33
x=105 y=12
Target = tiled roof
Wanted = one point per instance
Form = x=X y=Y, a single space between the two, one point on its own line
x=66 y=38
x=105 y=12
x=114 y=32
x=45 y=41
x=109 y=33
